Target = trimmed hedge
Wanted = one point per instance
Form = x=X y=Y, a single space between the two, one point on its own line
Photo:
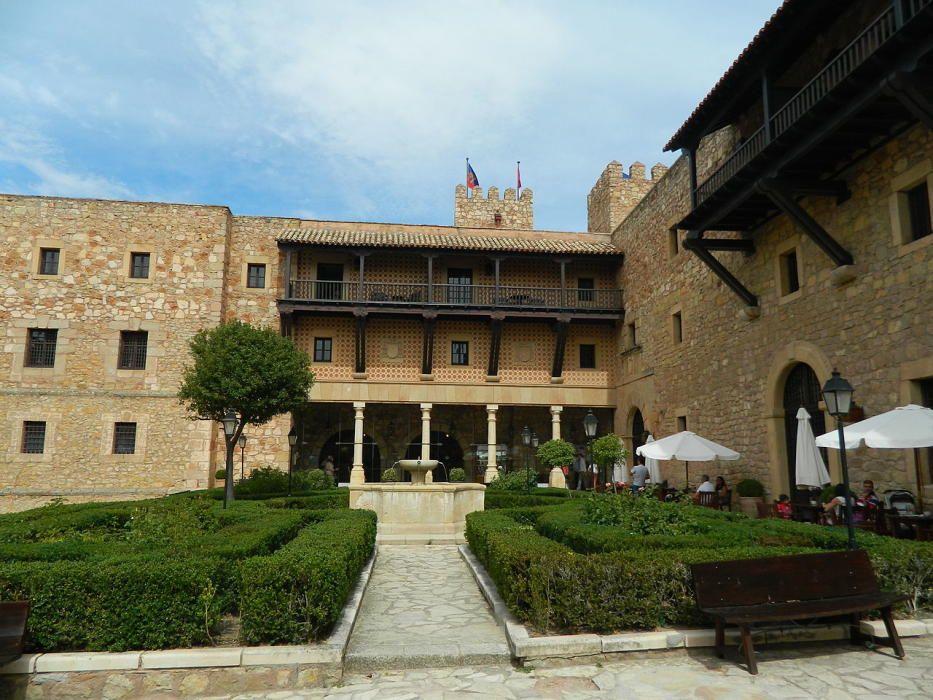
x=560 y=574
x=296 y=594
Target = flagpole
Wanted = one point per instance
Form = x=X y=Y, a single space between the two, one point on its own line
x=518 y=178
x=468 y=173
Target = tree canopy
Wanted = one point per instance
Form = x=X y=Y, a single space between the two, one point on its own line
x=556 y=453
x=608 y=450
x=254 y=371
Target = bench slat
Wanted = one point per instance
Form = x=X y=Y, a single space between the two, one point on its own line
x=774 y=612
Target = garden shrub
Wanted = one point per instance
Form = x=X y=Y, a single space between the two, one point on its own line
x=457 y=474
x=750 y=488
x=296 y=594
x=519 y=480
x=635 y=515
x=390 y=474
x=270 y=480
x=311 y=480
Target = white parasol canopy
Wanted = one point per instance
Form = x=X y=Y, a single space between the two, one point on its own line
x=809 y=466
x=686 y=446
x=654 y=468
x=903 y=427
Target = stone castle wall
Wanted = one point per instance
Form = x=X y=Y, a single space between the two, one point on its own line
x=616 y=193
x=476 y=211
x=727 y=375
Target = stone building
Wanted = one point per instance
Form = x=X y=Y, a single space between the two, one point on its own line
x=791 y=237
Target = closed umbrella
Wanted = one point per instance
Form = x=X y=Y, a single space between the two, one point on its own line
x=809 y=466
x=654 y=467
x=686 y=446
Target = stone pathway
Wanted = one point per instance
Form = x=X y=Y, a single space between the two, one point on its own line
x=422 y=608
x=830 y=671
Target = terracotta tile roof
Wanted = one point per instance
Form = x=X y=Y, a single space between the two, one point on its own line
x=451 y=238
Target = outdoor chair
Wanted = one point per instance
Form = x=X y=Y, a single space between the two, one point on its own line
x=708 y=499
x=766 y=510
x=725 y=502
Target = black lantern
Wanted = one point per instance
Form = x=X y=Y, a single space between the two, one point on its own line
x=526 y=436
x=292 y=439
x=590 y=423
x=242 y=443
x=534 y=439
x=229 y=421
x=837 y=393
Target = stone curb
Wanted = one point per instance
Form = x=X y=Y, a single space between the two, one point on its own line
x=329 y=653
x=523 y=646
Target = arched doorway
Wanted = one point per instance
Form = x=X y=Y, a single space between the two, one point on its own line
x=801 y=388
x=444 y=448
x=340 y=447
x=638 y=434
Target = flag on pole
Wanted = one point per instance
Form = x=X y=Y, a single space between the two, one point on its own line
x=472 y=180
x=518 y=175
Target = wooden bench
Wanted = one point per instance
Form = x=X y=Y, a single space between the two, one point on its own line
x=13 y=616
x=801 y=586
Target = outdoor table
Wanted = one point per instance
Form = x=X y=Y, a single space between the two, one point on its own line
x=806 y=512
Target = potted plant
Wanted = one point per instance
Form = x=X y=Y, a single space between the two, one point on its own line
x=751 y=492
x=557 y=456
x=608 y=450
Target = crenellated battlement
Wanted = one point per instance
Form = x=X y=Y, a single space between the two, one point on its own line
x=476 y=210
x=616 y=193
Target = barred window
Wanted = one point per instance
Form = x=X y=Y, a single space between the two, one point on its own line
x=323 y=349
x=124 y=438
x=41 y=343
x=587 y=356
x=139 y=265
x=133 y=349
x=256 y=275
x=48 y=261
x=33 y=437
x=459 y=352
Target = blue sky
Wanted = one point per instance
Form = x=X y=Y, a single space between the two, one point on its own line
x=351 y=110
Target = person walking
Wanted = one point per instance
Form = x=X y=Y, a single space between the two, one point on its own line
x=579 y=469
x=639 y=475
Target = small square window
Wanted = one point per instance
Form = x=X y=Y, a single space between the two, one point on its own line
x=585 y=287
x=256 y=275
x=790 y=273
x=133 y=346
x=323 y=349
x=918 y=211
x=124 y=438
x=681 y=423
x=42 y=343
x=673 y=242
x=459 y=352
x=677 y=327
x=587 y=356
x=33 y=437
x=139 y=265
x=48 y=260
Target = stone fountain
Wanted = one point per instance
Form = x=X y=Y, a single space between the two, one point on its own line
x=419 y=512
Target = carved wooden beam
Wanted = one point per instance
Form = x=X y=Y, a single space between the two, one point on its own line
x=906 y=87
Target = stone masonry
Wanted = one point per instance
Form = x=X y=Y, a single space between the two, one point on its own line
x=473 y=210
x=616 y=193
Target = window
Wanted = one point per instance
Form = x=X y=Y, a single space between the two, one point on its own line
x=139 y=265
x=323 y=349
x=33 y=437
x=790 y=273
x=677 y=327
x=124 y=438
x=133 y=350
x=41 y=347
x=585 y=288
x=918 y=211
x=681 y=423
x=673 y=242
x=587 y=356
x=48 y=260
x=459 y=352
x=631 y=339
x=256 y=275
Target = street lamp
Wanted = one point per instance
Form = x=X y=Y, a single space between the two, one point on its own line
x=229 y=422
x=534 y=446
x=590 y=423
x=242 y=443
x=292 y=439
x=526 y=441
x=837 y=393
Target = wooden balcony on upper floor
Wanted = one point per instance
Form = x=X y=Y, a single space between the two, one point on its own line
x=457 y=299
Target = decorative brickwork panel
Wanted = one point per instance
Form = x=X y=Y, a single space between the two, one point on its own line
x=393 y=349
x=474 y=333
x=527 y=353
x=341 y=330
x=603 y=338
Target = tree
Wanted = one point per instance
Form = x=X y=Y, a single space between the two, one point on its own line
x=556 y=453
x=608 y=450
x=254 y=372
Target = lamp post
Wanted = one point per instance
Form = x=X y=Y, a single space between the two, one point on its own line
x=837 y=393
x=292 y=439
x=229 y=422
x=534 y=446
x=526 y=441
x=242 y=443
x=590 y=423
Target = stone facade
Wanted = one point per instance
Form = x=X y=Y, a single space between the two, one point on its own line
x=616 y=193
x=473 y=210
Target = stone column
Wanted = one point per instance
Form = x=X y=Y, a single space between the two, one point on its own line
x=426 y=437
x=491 y=471
x=556 y=478
x=357 y=475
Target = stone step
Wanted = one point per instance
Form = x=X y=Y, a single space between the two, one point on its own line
x=410 y=656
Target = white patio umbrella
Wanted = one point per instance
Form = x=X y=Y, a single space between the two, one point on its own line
x=903 y=427
x=654 y=467
x=688 y=447
x=809 y=466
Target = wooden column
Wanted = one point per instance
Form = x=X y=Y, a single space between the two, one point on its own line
x=359 y=283
x=560 y=345
x=430 y=278
x=495 y=345
x=563 y=281
x=766 y=105
x=287 y=275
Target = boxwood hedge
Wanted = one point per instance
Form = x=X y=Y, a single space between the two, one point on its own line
x=561 y=574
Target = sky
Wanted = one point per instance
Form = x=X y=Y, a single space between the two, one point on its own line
x=358 y=111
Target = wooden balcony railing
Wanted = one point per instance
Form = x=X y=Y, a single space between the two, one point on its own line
x=879 y=32
x=455 y=295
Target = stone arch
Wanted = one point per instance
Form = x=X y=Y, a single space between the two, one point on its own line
x=340 y=446
x=782 y=364
x=444 y=447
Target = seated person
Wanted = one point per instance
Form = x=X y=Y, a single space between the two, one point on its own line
x=835 y=508
x=783 y=506
x=722 y=490
x=868 y=498
x=706 y=486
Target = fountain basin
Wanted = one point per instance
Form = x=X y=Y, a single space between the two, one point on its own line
x=418 y=468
